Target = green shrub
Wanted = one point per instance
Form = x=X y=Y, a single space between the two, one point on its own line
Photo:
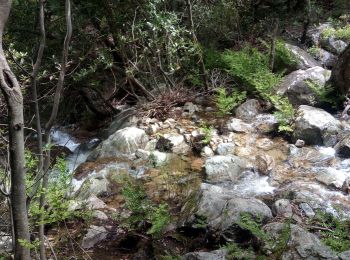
x=284 y=113
x=207 y=130
x=283 y=56
x=324 y=94
x=251 y=67
x=333 y=231
x=234 y=251
x=142 y=209
x=342 y=33
x=226 y=103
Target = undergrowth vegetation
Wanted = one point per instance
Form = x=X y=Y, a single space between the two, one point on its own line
x=251 y=68
x=142 y=211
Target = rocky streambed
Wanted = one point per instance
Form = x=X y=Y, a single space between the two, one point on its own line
x=237 y=166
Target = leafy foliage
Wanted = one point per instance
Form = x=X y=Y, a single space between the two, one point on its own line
x=342 y=33
x=226 y=103
x=334 y=232
x=251 y=67
x=142 y=209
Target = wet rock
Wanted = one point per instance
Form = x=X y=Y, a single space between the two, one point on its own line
x=207 y=152
x=283 y=208
x=190 y=108
x=343 y=147
x=164 y=145
x=301 y=244
x=97 y=183
x=158 y=158
x=303 y=59
x=222 y=209
x=225 y=149
x=151 y=145
x=264 y=164
x=220 y=254
x=265 y=123
x=331 y=177
x=308 y=211
x=264 y=144
x=346 y=186
x=296 y=85
x=237 y=125
x=123 y=142
x=223 y=168
x=316 y=126
x=179 y=145
x=300 y=143
x=124 y=119
x=248 y=110
x=94 y=236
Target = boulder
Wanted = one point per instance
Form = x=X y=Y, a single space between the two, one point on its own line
x=123 y=142
x=333 y=45
x=331 y=177
x=94 y=236
x=301 y=244
x=345 y=255
x=308 y=211
x=303 y=59
x=225 y=149
x=343 y=147
x=190 y=108
x=282 y=208
x=221 y=168
x=264 y=164
x=248 y=110
x=324 y=57
x=207 y=152
x=314 y=34
x=178 y=143
x=346 y=186
x=316 y=126
x=297 y=86
x=265 y=123
x=237 y=125
x=220 y=254
x=222 y=209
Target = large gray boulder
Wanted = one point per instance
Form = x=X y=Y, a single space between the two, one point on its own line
x=248 y=110
x=301 y=244
x=222 y=168
x=297 y=86
x=303 y=59
x=222 y=209
x=94 y=236
x=220 y=254
x=316 y=126
x=123 y=142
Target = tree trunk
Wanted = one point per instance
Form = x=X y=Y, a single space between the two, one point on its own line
x=14 y=101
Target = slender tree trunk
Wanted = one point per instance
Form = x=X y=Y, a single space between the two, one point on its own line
x=34 y=75
x=273 y=45
x=50 y=123
x=14 y=100
x=195 y=41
